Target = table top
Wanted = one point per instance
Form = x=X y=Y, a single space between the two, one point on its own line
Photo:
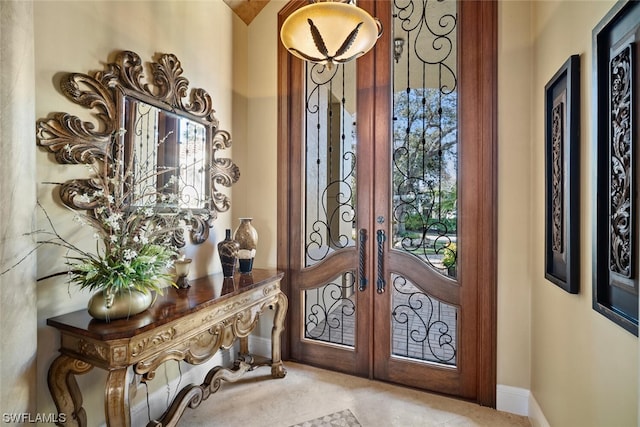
x=173 y=304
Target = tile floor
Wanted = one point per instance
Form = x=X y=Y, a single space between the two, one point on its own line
x=309 y=393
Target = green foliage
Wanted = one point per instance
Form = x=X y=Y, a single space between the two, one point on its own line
x=144 y=271
x=450 y=255
x=424 y=139
x=416 y=223
x=425 y=161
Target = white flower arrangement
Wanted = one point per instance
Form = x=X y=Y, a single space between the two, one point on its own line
x=135 y=245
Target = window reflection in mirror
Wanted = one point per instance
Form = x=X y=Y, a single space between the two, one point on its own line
x=174 y=149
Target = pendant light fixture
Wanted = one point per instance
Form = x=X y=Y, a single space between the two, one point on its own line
x=330 y=32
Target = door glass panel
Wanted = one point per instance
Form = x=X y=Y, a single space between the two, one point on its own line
x=330 y=181
x=423 y=328
x=330 y=311
x=329 y=198
x=425 y=132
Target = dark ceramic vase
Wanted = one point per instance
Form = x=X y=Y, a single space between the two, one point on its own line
x=228 y=252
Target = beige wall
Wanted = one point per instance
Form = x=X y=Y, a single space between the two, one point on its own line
x=584 y=367
x=514 y=199
x=262 y=129
x=18 y=329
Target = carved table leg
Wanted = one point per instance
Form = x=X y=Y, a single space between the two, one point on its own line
x=65 y=391
x=244 y=345
x=116 y=402
x=277 y=367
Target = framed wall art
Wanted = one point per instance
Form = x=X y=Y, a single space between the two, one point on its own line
x=615 y=168
x=562 y=175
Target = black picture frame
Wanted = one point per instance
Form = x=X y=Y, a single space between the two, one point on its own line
x=616 y=223
x=562 y=176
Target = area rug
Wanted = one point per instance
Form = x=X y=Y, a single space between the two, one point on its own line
x=337 y=419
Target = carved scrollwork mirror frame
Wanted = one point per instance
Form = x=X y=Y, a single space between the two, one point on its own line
x=105 y=93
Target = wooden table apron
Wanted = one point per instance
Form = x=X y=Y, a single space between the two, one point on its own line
x=184 y=324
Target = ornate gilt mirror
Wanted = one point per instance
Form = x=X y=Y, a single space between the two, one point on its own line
x=156 y=142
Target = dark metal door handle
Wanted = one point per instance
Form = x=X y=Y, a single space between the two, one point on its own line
x=381 y=283
x=362 y=259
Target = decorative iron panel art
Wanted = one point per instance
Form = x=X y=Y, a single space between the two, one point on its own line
x=615 y=280
x=330 y=311
x=423 y=328
x=557 y=177
x=562 y=176
x=622 y=216
x=425 y=132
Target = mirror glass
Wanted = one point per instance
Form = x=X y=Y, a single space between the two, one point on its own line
x=172 y=148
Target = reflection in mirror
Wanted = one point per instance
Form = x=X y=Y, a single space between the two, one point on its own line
x=172 y=148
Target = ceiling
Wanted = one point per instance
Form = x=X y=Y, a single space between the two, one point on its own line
x=246 y=9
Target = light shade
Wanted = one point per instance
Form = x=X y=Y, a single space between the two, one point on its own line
x=182 y=266
x=329 y=32
x=182 y=270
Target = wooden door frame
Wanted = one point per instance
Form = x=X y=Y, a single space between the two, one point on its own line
x=484 y=62
x=486 y=85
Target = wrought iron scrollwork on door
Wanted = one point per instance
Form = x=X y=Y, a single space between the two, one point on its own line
x=330 y=311
x=330 y=162
x=425 y=135
x=423 y=328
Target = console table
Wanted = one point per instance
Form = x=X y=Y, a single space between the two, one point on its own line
x=183 y=324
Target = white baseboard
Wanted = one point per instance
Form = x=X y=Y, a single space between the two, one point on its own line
x=536 y=416
x=520 y=401
x=260 y=346
x=514 y=400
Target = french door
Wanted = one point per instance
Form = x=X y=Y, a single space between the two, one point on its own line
x=386 y=210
